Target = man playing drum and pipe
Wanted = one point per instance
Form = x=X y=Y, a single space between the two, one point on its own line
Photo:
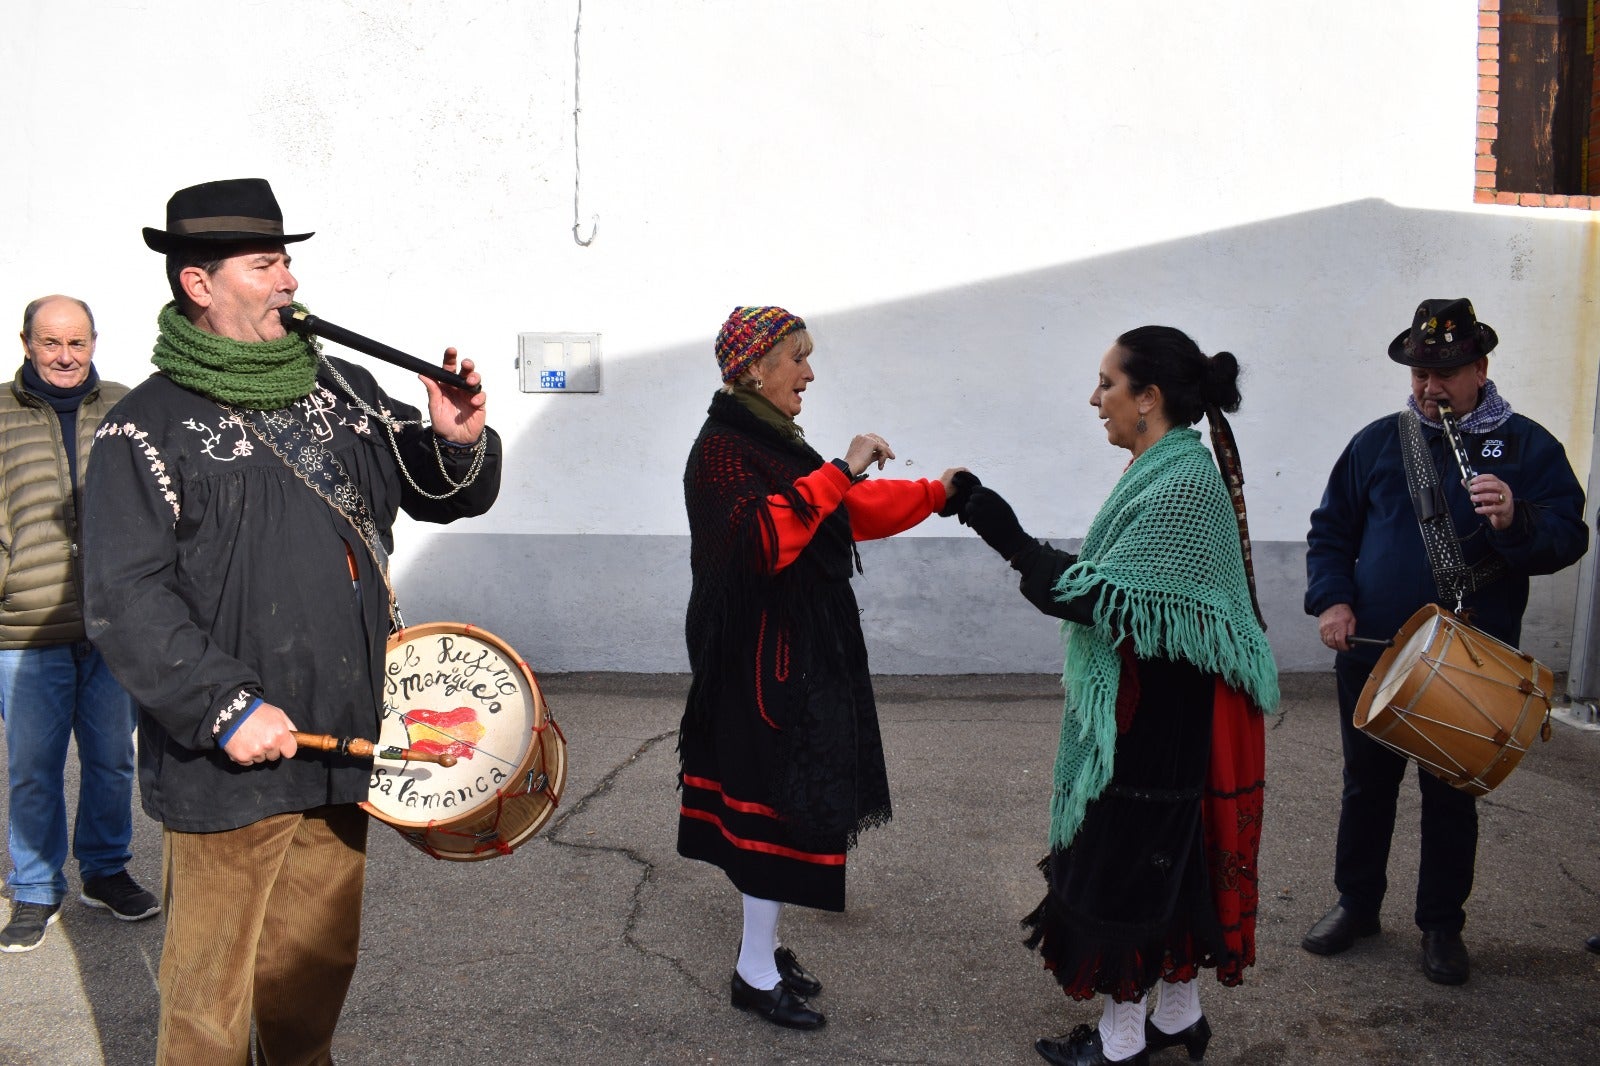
x=1369 y=568
x=238 y=517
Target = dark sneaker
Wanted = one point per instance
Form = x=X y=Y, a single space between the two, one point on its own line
x=28 y=922
x=121 y=895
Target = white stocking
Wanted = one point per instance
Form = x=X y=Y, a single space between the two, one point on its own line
x=1178 y=1008
x=1122 y=1029
x=756 y=964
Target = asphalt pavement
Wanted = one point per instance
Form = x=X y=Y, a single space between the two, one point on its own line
x=596 y=944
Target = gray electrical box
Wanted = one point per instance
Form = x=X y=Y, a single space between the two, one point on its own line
x=559 y=362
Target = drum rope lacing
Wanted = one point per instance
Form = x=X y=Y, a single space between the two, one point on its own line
x=1423 y=728
x=536 y=780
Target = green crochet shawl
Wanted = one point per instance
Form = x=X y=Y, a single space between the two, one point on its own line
x=262 y=376
x=1164 y=556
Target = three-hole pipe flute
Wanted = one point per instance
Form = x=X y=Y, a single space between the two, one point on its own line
x=305 y=322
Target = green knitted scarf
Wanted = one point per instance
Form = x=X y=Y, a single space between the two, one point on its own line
x=262 y=376
x=1164 y=555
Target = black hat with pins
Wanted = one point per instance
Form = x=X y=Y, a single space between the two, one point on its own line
x=1443 y=334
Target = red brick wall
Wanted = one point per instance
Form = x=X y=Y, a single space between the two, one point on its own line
x=1484 y=191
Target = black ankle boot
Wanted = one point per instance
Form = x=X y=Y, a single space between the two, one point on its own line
x=1194 y=1038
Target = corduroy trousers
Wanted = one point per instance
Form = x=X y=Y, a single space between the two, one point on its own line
x=263 y=925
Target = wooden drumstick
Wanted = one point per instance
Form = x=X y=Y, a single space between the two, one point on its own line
x=1376 y=642
x=365 y=749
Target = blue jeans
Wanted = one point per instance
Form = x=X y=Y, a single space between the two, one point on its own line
x=47 y=696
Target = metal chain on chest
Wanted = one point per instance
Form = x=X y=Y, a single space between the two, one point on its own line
x=390 y=424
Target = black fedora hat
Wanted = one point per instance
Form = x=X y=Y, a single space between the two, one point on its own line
x=234 y=211
x=1443 y=334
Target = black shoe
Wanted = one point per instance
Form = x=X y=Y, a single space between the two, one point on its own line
x=777 y=1005
x=28 y=923
x=1337 y=930
x=1444 y=958
x=794 y=976
x=120 y=894
x=1593 y=943
x=1194 y=1039
x=1081 y=1047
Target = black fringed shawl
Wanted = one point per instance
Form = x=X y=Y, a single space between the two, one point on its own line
x=784 y=650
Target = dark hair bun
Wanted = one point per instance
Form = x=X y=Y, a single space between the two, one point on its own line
x=1222 y=382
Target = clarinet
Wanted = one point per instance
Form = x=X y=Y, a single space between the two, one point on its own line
x=1452 y=434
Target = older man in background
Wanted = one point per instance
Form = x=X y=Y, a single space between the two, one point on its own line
x=53 y=683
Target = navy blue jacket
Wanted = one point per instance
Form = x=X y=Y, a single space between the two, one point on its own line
x=1365 y=549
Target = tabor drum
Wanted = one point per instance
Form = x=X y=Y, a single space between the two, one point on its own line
x=454 y=689
x=1464 y=705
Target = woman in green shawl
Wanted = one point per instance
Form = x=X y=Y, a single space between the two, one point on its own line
x=1156 y=813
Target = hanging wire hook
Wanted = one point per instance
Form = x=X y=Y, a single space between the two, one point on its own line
x=577 y=109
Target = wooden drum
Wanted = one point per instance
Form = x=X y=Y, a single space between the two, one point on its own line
x=1464 y=705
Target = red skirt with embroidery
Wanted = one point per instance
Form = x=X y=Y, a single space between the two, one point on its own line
x=1161 y=879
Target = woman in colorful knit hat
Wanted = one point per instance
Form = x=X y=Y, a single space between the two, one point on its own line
x=782 y=764
x=1156 y=813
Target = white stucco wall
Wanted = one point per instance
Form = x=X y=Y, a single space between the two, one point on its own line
x=967 y=201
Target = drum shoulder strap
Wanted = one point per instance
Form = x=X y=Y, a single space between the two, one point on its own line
x=1451 y=574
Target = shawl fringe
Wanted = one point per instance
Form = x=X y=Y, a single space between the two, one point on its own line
x=1177 y=597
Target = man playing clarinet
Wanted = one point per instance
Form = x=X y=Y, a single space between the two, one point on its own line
x=237 y=526
x=1409 y=520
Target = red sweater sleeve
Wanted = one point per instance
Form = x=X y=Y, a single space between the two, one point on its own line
x=882 y=508
x=823 y=488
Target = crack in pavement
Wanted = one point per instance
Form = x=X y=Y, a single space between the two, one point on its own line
x=647 y=875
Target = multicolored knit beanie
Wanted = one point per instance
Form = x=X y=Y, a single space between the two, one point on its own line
x=748 y=334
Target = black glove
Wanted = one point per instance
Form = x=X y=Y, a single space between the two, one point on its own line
x=988 y=512
x=962 y=482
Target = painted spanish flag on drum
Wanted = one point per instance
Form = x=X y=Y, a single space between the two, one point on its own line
x=454 y=689
x=455 y=732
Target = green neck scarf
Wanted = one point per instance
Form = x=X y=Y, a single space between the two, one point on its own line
x=263 y=376
x=1164 y=555
x=765 y=410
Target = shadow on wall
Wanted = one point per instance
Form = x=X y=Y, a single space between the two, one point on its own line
x=995 y=375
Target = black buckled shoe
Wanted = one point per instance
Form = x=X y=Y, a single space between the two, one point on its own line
x=1081 y=1047
x=1444 y=957
x=1337 y=930
x=777 y=1005
x=795 y=978
x=1194 y=1039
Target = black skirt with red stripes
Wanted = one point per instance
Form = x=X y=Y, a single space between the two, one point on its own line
x=788 y=768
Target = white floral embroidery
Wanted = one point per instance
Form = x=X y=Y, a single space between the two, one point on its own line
x=152 y=457
x=316 y=407
x=324 y=409
x=241 y=700
x=215 y=447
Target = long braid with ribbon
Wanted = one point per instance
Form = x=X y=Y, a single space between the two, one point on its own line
x=1227 y=453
